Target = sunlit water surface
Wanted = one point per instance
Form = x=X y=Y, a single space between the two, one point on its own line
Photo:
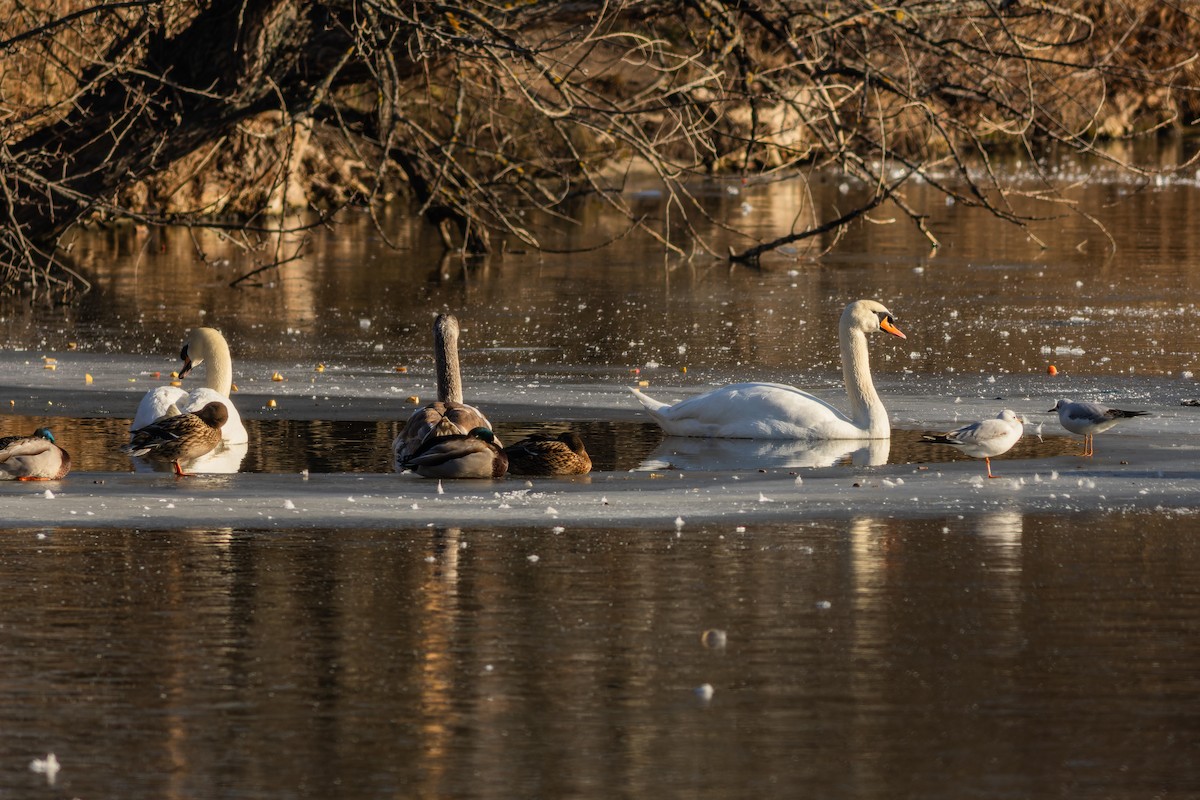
x=282 y=446
x=992 y=301
x=997 y=656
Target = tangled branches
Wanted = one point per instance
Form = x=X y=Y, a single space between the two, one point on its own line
x=494 y=117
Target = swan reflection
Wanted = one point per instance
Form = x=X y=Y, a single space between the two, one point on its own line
x=226 y=459
x=686 y=453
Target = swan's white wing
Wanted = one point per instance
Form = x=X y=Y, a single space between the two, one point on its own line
x=753 y=411
x=156 y=404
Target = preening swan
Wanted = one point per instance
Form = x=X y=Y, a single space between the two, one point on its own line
x=776 y=411
x=203 y=346
x=448 y=416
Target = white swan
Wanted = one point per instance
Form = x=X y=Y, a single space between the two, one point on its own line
x=203 y=346
x=449 y=416
x=776 y=411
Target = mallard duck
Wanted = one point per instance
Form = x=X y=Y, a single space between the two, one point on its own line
x=180 y=438
x=33 y=458
x=776 y=411
x=470 y=455
x=1088 y=419
x=449 y=414
x=549 y=455
x=203 y=346
x=990 y=437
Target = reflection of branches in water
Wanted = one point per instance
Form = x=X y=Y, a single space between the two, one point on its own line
x=496 y=118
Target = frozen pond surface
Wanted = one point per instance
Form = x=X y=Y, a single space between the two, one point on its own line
x=641 y=479
x=896 y=625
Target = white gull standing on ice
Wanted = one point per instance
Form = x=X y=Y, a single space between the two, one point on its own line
x=1088 y=419
x=990 y=437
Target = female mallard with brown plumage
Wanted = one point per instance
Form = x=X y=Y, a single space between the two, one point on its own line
x=33 y=458
x=540 y=454
x=180 y=438
x=470 y=455
x=449 y=415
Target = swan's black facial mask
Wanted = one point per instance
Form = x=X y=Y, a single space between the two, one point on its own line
x=187 y=362
x=888 y=325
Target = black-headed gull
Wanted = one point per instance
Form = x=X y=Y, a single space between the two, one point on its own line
x=990 y=437
x=1088 y=419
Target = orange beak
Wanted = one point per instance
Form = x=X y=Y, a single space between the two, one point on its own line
x=888 y=326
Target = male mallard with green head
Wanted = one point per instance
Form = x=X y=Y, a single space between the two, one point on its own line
x=470 y=455
x=33 y=458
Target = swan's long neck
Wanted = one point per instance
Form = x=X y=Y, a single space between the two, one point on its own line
x=218 y=369
x=866 y=409
x=445 y=356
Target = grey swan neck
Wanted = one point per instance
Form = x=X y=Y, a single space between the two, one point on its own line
x=445 y=356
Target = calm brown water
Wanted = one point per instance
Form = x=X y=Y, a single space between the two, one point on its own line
x=279 y=446
x=993 y=655
x=991 y=302
x=999 y=656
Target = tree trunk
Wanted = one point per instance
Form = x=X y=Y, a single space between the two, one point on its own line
x=222 y=68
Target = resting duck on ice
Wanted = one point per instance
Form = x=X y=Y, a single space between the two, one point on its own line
x=33 y=458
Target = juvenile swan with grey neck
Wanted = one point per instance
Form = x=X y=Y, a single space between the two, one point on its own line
x=449 y=416
x=776 y=411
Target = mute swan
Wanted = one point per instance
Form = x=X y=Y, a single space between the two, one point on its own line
x=1088 y=419
x=33 y=458
x=539 y=454
x=183 y=437
x=776 y=411
x=990 y=437
x=471 y=455
x=449 y=415
x=203 y=346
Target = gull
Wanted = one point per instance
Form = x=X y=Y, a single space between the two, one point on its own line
x=1088 y=419
x=990 y=437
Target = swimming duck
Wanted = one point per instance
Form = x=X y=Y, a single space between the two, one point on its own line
x=776 y=411
x=984 y=439
x=539 y=454
x=33 y=458
x=180 y=438
x=1088 y=419
x=469 y=455
x=449 y=414
x=203 y=346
